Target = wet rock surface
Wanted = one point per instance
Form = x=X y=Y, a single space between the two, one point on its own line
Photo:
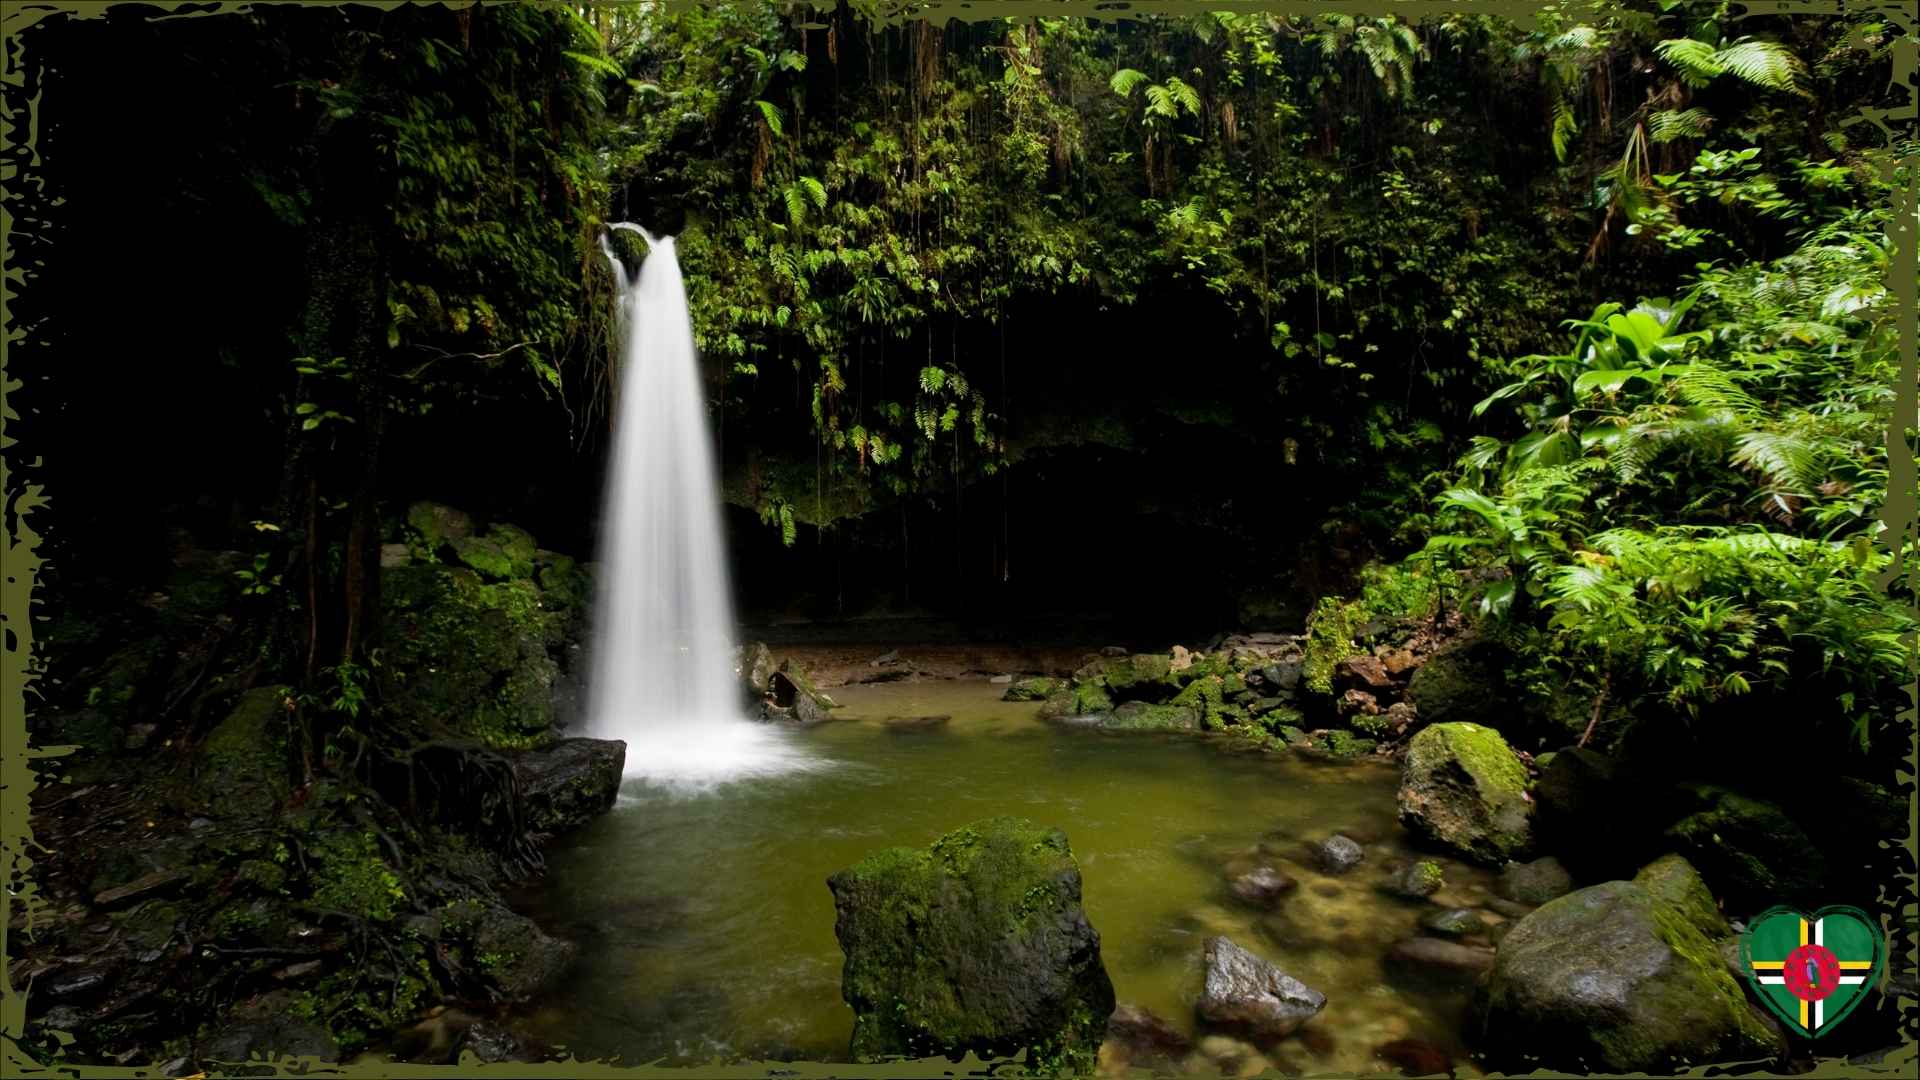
x=1243 y=992
x=1338 y=854
x=978 y=943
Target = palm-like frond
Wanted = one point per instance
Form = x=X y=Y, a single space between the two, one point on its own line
x=1670 y=124
x=1125 y=80
x=1763 y=63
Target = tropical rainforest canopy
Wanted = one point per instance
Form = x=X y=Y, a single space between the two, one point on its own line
x=1171 y=318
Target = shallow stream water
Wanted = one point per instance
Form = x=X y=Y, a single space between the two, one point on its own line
x=706 y=926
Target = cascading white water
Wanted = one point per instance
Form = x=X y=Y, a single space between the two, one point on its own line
x=663 y=677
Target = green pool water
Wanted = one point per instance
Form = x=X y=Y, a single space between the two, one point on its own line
x=706 y=928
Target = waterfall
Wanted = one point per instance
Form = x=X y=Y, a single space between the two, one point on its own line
x=663 y=675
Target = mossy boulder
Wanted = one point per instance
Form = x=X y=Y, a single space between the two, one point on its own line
x=470 y=657
x=1090 y=699
x=1674 y=882
x=518 y=547
x=563 y=582
x=1038 y=689
x=569 y=783
x=1141 y=677
x=484 y=557
x=1140 y=716
x=795 y=696
x=432 y=526
x=1463 y=682
x=242 y=764
x=1610 y=980
x=977 y=944
x=1749 y=850
x=1461 y=787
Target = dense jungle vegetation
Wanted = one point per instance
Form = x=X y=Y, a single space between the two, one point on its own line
x=1180 y=319
x=1569 y=340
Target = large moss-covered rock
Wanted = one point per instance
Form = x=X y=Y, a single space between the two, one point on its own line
x=976 y=944
x=242 y=764
x=1748 y=849
x=518 y=548
x=1038 y=689
x=1463 y=682
x=1674 y=882
x=1609 y=979
x=569 y=783
x=1141 y=677
x=1140 y=716
x=432 y=526
x=1462 y=788
x=471 y=657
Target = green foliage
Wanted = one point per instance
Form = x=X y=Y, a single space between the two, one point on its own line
x=1688 y=517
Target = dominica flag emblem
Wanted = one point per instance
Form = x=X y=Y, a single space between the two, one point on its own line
x=1812 y=970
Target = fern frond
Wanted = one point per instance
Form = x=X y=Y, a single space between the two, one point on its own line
x=1564 y=128
x=771 y=113
x=1791 y=463
x=1670 y=124
x=1125 y=80
x=1696 y=60
x=1767 y=64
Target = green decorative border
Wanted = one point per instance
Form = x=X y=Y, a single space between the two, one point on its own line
x=21 y=187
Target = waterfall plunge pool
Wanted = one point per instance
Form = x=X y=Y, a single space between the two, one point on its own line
x=706 y=928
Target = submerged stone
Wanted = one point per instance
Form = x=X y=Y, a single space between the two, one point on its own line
x=978 y=944
x=1337 y=854
x=1417 y=880
x=1263 y=886
x=1246 y=993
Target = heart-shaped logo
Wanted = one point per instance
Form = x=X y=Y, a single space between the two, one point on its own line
x=1811 y=970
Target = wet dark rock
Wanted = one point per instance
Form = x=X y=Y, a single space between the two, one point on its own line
x=1263 y=886
x=570 y=783
x=298 y=972
x=1363 y=672
x=532 y=962
x=140 y=888
x=1283 y=676
x=64 y=1018
x=79 y=985
x=754 y=665
x=1455 y=922
x=1246 y=993
x=1749 y=850
x=274 y=1037
x=978 y=943
x=1337 y=854
x=1415 y=1057
x=1464 y=681
x=1535 y=882
x=793 y=691
x=910 y=724
x=1417 y=880
x=1512 y=909
x=1442 y=960
x=1609 y=979
x=1142 y=1038
x=491 y=1043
